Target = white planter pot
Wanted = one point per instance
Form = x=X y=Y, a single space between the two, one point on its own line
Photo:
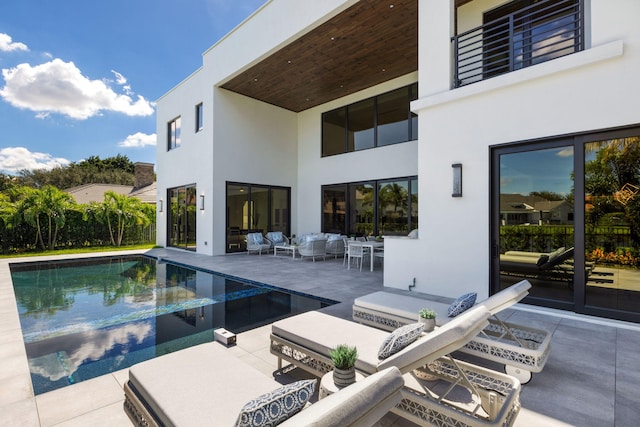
x=428 y=324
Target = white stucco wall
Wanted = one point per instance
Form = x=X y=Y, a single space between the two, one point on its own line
x=591 y=90
x=190 y=163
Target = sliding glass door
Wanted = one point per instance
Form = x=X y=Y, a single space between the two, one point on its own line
x=255 y=208
x=182 y=217
x=566 y=217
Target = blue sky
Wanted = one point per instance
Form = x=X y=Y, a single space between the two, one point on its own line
x=80 y=78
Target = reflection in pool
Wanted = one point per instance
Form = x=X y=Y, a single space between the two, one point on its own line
x=85 y=318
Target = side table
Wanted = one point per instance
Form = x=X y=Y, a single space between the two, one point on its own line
x=327 y=387
x=286 y=248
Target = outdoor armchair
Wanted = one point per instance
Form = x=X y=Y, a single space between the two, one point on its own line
x=257 y=243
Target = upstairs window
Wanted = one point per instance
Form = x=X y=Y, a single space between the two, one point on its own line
x=374 y=122
x=199 y=117
x=173 y=134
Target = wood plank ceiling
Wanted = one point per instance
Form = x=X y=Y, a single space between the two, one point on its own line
x=369 y=43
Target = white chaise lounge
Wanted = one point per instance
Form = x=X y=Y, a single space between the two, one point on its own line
x=459 y=393
x=207 y=385
x=521 y=349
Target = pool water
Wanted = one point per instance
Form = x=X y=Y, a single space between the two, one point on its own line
x=88 y=317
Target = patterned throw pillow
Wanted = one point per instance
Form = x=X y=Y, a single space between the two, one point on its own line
x=399 y=339
x=464 y=302
x=272 y=408
x=277 y=238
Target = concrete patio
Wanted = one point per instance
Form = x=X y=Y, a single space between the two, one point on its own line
x=590 y=379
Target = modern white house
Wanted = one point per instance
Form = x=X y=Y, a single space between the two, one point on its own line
x=372 y=117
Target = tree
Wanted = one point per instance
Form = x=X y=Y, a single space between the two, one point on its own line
x=118 y=211
x=46 y=207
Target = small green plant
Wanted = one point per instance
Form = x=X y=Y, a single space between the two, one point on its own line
x=427 y=313
x=344 y=356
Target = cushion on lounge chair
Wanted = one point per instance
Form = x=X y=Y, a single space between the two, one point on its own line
x=399 y=339
x=462 y=303
x=321 y=332
x=272 y=408
x=167 y=385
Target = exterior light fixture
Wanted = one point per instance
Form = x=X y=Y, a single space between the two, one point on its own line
x=160 y=205
x=202 y=202
x=457 y=180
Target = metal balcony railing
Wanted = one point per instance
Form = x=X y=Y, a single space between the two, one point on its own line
x=543 y=31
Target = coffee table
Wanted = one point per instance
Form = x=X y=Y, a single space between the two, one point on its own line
x=286 y=248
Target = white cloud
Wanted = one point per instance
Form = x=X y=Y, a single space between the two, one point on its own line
x=138 y=139
x=59 y=87
x=120 y=79
x=15 y=159
x=8 y=45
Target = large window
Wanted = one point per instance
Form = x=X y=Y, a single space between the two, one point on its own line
x=181 y=222
x=566 y=217
x=374 y=122
x=255 y=208
x=388 y=207
x=173 y=133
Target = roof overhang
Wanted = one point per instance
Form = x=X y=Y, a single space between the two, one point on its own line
x=369 y=43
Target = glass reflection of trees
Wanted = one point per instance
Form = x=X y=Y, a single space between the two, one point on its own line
x=612 y=201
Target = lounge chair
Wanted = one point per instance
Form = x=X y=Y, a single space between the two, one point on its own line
x=552 y=266
x=207 y=385
x=521 y=349
x=489 y=397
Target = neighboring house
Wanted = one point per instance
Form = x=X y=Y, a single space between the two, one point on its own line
x=516 y=209
x=309 y=111
x=144 y=187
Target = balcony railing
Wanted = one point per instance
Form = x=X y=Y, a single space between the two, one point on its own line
x=546 y=30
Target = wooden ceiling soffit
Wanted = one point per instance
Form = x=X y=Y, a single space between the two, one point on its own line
x=367 y=44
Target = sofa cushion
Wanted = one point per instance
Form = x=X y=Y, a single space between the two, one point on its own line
x=332 y=236
x=399 y=339
x=270 y=409
x=462 y=303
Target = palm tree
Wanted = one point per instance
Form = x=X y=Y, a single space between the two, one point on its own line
x=119 y=211
x=46 y=207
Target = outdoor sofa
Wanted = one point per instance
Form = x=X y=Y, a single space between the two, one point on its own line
x=439 y=390
x=521 y=349
x=208 y=385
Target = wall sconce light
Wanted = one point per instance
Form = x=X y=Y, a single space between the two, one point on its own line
x=160 y=205
x=457 y=180
x=202 y=202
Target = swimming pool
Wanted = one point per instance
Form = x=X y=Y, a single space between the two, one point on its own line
x=87 y=317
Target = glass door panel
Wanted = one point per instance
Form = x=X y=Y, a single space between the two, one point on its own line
x=393 y=200
x=536 y=226
x=237 y=216
x=361 y=209
x=334 y=209
x=190 y=218
x=612 y=224
x=259 y=209
x=280 y=210
x=182 y=217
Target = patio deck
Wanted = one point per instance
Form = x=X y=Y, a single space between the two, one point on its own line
x=590 y=379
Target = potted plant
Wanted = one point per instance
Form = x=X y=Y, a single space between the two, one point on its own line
x=427 y=317
x=344 y=362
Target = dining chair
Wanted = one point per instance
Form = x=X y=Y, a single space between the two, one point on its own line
x=356 y=251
